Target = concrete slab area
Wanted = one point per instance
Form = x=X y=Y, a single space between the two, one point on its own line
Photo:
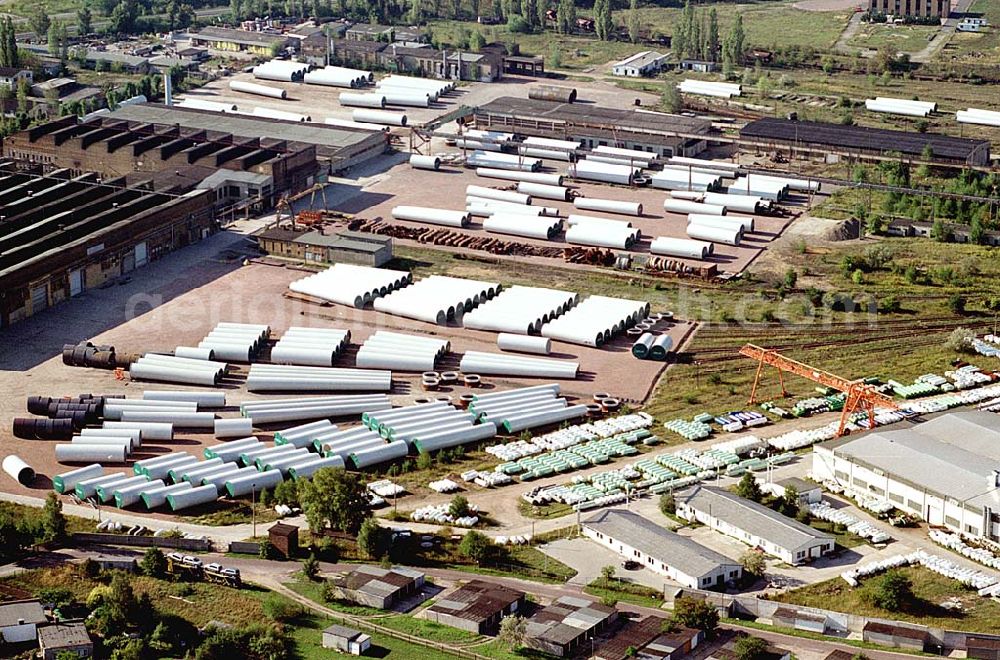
x=588 y=558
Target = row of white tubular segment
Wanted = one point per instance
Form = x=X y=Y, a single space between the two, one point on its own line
x=743 y=222
x=738 y=203
x=366 y=100
x=601 y=232
x=314 y=347
x=498 y=161
x=257 y=89
x=508 y=365
x=510 y=196
x=367 y=116
x=240 y=427
x=437 y=298
x=336 y=76
x=432 y=216
x=527 y=226
x=514 y=343
x=605 y=172
x=682 y=248
x=357 y=125
x=707 y=232
x=202 y=104
x=400 y=352
x=707 y=88
x=596 y=320
x=300 y=409
x=978 y=116
x=525 y=408
x=627 y=154
x=608 y=206
x=479 y=206
x=236 y=342
x=675 y=205
x=543 y=191
x=67 y=481
x=520 y=309
x=412 y=98
x=280 y=70
x=544 y=178
x=354 y=286
x=434 y=87
x=114 y=409
x=172 y=369
x=300 y=436
x=287 y=378
x=900 y=106
x=284 y=115
x=674 y=179
x=422 y=162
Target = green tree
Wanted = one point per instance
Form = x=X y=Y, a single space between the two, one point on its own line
x=52 y=38
x=671 y=99
x=280 y=609
x=123 y=17
x=459 y=507
x=712 y=40
x=84 y=20
x=372 y=539
x=608 y=573
x=789 y=501
x=790 y=279
x=976 y=232
x=513 y=630
x=154 y=563
x=736 y=41
x=603 y=25
x=476 y=41
x=476 y=546
x=53 y=520
x=286 y=493
x=957 y=303
x=566 y=16
x=748 y=647
x=749 y=488
x=890 y=591
x=668 y=505
x=633 y=21
x=334 y=498
x=753 y=563
x=940 y=232
x=960 y=340
x=39 y=20
x=424 y=460
x=310 y=566
x=695 y=613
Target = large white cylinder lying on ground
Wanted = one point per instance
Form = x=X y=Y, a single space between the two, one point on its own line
x=608 y=206
x=354 y=100
x=511 y=175
x=65 y=482
x=714 y=234
x=543 y=191
x=421 y=162
x=745 y=222
x=432 y=216
x=258 y=89
x=680 y=247
x=149 y=430
x=90 y=453
x=501 y=195
x=203 y=399
x=379 y=117
x=673 y=205
x=20 y=471
x=524 y=343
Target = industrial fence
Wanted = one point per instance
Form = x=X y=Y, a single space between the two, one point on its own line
x=244 y=547
x=198 y=545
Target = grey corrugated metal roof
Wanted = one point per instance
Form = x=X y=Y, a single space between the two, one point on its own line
x=63 y=635
x=953 y=454
x=342 y=631
x=663 y=545
x=28 y=611
x=751 y=517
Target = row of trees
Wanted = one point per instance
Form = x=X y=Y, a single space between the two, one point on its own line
x=22 y=527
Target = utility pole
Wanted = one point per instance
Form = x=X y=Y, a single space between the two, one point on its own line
x=253 y=507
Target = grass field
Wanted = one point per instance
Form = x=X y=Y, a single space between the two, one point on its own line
x=307 y=634
x=930 y=590
x=902 y=38
x=626 y=592
x=978 y=46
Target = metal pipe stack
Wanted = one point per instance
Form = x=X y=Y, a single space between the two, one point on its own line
x=257 y=89
x=354 y=286
x=173 y=369
x=280 y=70
x=526 y=226
x=509 y=365
x=608 y=206
x=437 y=298
x=525 y=408
x=906 y=107
x=336 y=76
x=512 y=175
x=236 y=342
x=445 y=217
x=498 y=161
x=683 y=248
x=685 y=179
x=292 y=410
x=520 y=309
x=301 y=436
x=400 y=352
x=596 y=320
x=707 y=88
x=316 y=347
x=601 y=232
x=605 y=172
x=287 y=378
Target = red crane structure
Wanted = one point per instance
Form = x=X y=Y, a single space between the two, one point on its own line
x=859 y=395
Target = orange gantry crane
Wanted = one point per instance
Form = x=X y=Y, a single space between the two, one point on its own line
x=859 y=394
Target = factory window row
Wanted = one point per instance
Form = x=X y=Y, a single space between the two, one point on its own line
x=30 y=156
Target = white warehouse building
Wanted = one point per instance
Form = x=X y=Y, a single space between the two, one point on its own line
x=646 y=63
x=753 y=524
x=945 y=471
x=661 y=550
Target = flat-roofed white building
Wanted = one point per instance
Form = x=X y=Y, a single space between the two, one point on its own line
x=753 y=524
x=665 y=552
x=646 y=63
x=945 y=471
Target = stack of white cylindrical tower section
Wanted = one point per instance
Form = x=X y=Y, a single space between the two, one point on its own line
x=737 y=203
x=742 y=222
x=520 y=309
x=340 y=443
x=510 y=196
x=280 y=70
x=675 y=179
x=715 y=234
x=519 y=224
x=546 y=178
x=172 y=369
x=426 y=428
x=514 y=343
x=411 y=98
x=707 y=88
x=236 y=342
x=608 y=206
x=188 y=497
x=240 y=427
x=347 y=284
x=978 y=116
x=605 y=172
x=67 y=481
x=202 y=104
x=126 y=496
x=481 y=207
x=422 y=162
x=272 y=411
x=525 y=408
x=682 y=248
x=157 y=497
x=250 y=483
x=705 y=165
x=432 y=216
x=115 y=409
x=685 y=206
x=368 y=116
x=400 y=352
x=356 y=125
x=499 y=161
x=362 y=100
x=300 y=436
x=804 y=185
x=289 y=378
x=229 y=452
x=257 y=89
x=337 y=76
x=194 y=353
x=601 y=232
x=767 y=187
x=906 y=107
x=437 y=298
x=314 y=347
x=87 y=488
x=91 y=453
x=550 y=148
x=433 y=89
x=634 y=156
x=543 y=191
x=203 y=399
x=502 y=364
x=596 y=320
x=149 y=430
x=271 y=113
